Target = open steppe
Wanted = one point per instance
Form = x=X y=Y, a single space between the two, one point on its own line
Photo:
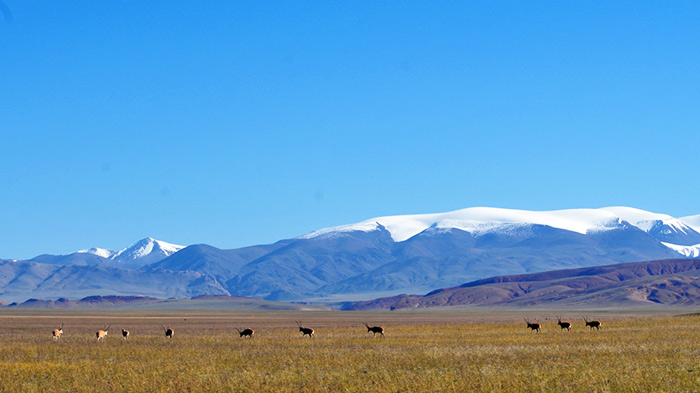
x=428 y=351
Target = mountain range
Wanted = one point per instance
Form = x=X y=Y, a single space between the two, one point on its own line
x=377 y=257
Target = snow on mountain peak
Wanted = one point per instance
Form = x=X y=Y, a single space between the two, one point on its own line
x=143 y=252
x=482 y=219
x=692 y=221
x=146 y=247
x=645 y=220
x=633 y=215
x=100 y=252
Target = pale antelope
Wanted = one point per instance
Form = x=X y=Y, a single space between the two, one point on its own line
x=246 y=332
x=57 y=333
x=533 y=326
x=592 y=324
x=374 y=329
x=304 y=330
x=125 y=334
x=102 y=333
x=168 y=332
x=563 y=325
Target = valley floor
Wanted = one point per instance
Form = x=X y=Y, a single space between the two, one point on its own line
x=422 y=351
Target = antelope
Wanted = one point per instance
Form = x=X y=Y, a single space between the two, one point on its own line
x=57 y=333
x=125 y=334
x=563 y=325
x=374 y=329
x=102 y=333
x=246 y=332
x=533 y=326
x=168 y=332
x=304 y=330
x=592 y=324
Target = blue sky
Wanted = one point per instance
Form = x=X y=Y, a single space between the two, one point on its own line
x=238 y=123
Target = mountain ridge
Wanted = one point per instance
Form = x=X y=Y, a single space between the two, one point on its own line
x=143 y=252
x=392 y=254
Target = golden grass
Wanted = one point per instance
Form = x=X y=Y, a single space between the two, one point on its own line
x=422 y=352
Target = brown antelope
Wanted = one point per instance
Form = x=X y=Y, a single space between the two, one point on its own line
x=125 y=334
x=374 y=329
x=592 y=324
x=168 y=332
x=304 y=330
x=246 y=332
x=102 y=333
x=533 y=326
x=563 y=325
x=57 y=333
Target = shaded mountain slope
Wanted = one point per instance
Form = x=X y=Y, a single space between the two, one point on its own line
x=303 y=265
x=20 y=278
x=454 y=256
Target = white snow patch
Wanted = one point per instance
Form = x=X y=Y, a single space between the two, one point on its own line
x=482 y=219
x=688 y=251
x=692 y=221
x=169 y=248
x=645 y=220
x=145 y=247
x=101 y=252
x=633 y=215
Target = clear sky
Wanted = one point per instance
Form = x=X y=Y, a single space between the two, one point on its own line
x=236 y=123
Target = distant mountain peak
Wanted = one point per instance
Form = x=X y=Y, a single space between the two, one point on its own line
x=646 y=221
x=482 y=220
x=676 y=234
x=141 y=253
x=147 y=248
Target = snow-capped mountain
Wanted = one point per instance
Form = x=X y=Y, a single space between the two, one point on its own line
x=481 y=220
x=661 y=226
x=380 y=256
x=144 y=252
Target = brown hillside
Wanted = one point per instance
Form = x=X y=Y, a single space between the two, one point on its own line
x=668 y=282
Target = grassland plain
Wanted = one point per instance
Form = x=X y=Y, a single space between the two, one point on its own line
x=422 y=352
